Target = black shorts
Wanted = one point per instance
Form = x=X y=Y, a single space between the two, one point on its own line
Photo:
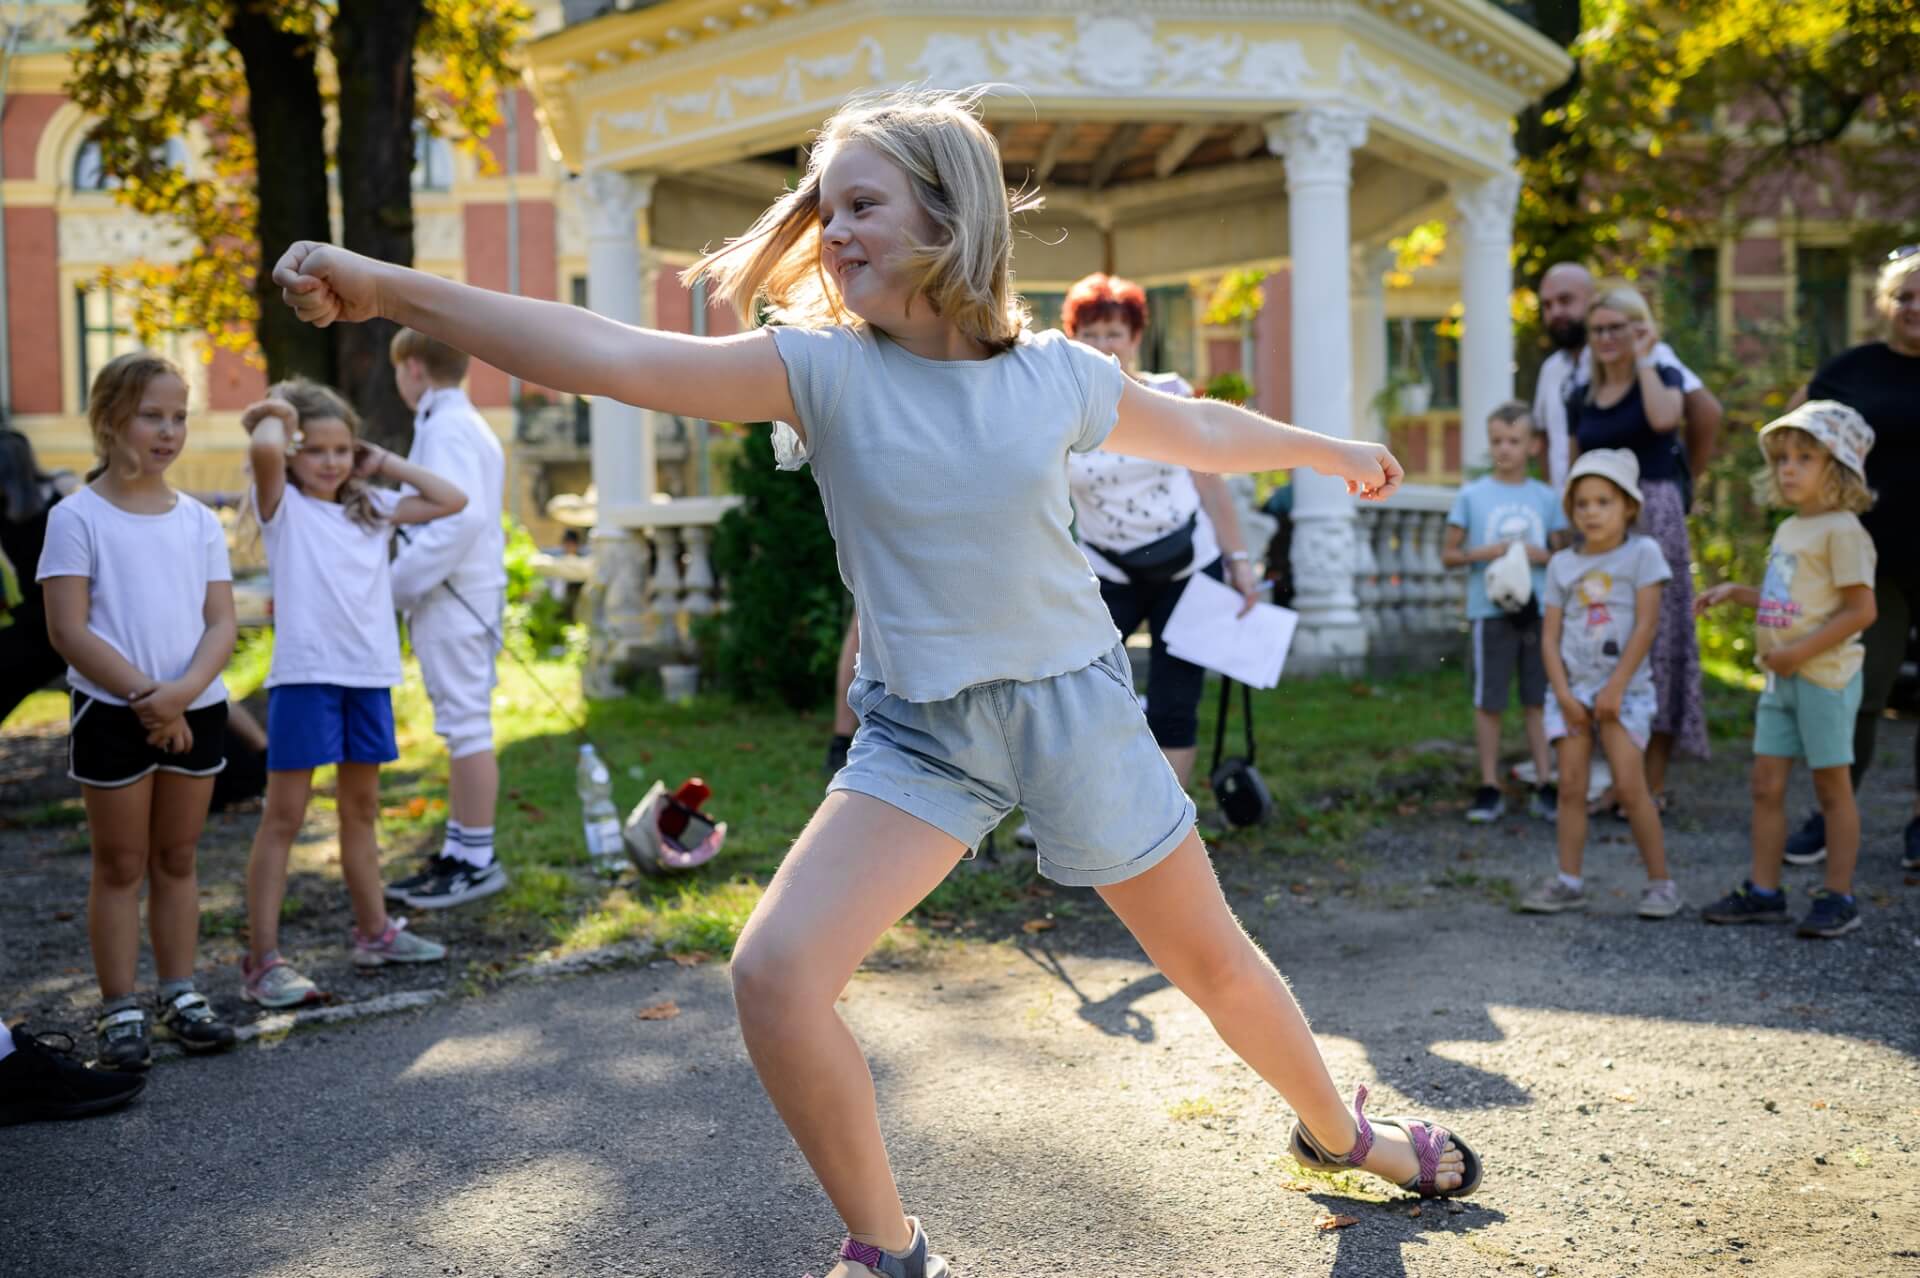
x=1502 y=648
x=107 y=746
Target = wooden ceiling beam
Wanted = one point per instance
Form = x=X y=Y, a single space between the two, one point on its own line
x=1251 y=138
x=1050 y=150
x=1181 y=145
x=1112 y=155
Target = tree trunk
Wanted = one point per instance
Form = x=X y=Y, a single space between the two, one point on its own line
x=1561 y=233
x=373 y=43
x=289 y=133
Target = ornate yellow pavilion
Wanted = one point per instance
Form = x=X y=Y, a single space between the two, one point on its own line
x=1172 y=138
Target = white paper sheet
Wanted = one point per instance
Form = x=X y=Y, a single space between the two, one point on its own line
x=1205 y=630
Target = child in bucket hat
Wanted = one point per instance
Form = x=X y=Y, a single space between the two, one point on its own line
x=1812 y=607
x=1602 y=602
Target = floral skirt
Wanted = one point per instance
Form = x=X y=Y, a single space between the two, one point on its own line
x=1682 y=709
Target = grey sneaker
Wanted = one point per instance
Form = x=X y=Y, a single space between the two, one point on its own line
x=126 y=1040
x=1660 y=900
x=397 y=946
x=276 y=984
x=917 y=1263
x=189 y=1020
x=1551 y=896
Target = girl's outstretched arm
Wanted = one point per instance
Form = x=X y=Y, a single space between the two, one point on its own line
x=733 y=379
x=433 y=497
x=1215 y=436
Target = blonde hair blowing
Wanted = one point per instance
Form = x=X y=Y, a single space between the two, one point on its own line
x=952 y=165
x=1840 y=487
x=1892 y=276
x=114 y=397
x=312 y=402
x=1623 y=298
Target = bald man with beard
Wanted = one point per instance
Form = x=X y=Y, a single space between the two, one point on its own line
x=1565 y=292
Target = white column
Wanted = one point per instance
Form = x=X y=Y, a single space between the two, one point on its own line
x=622 y=448
x=1318 y=146
x=1486 y=274
x=1370 y=267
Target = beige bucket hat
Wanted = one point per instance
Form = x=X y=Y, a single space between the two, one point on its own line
x=1840 y=430
x=1618 y=465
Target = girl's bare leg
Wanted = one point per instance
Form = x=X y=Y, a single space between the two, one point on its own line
x=117 y=824
x=357 y=791
x=173 y=888
x=1180 y=917
x=1769 y=789
x=1834 y=788
x=281 y=817
x=1630 y=783
x=1570 y=824
x=1659 y=751
x=858 y=866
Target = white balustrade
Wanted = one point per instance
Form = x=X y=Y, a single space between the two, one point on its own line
x=1412 y=604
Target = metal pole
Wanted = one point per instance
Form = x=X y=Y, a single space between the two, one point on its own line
x=513 y=284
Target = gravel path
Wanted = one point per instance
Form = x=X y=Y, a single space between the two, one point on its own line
x=1650 y=1098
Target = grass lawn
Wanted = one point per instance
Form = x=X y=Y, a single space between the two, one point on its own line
x=1340 y=755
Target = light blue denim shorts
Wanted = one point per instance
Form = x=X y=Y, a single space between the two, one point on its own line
x=1073 y=751
x=1797 y=719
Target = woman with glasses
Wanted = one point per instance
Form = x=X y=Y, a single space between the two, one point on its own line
x=1634 y=401
x=1881 y=381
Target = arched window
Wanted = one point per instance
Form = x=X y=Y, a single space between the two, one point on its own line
x=432 y=160
x=88 y=175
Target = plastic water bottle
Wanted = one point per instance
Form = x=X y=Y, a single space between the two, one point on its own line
x=597 y=812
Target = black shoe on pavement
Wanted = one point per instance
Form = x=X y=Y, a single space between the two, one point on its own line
x=1487 y=806
x=1808 y=844
x=40 y=1080
x=189 y=1020
x=1910 y=860
x=1832 y=915
x=126 y=1040
x=1746 y=905
x=453 y=882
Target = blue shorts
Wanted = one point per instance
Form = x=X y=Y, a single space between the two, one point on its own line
x=1074 y=751
x=310 y=725
x=1797 y=719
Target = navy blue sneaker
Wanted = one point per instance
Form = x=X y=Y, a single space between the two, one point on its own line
x=1808 y=844
x=1747 y=904
x=1911 y=859
x=1832 y=915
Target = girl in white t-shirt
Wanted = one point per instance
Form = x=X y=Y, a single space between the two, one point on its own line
x=938 y=430
x=336 y=657
x=139 y=600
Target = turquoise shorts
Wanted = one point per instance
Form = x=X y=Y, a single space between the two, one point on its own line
x=1801 y=720
x=1073 y=751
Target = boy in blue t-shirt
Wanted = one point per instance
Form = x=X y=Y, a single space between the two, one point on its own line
x=1490 y=514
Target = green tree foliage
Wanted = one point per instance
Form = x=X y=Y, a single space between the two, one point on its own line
x=152 y=70
x=779 y=637
x=1683 y=115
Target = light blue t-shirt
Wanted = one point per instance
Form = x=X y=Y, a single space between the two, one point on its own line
x=1493 y=511
x=945 y=486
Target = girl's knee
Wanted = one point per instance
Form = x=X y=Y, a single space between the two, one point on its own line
x=173 y=861
x=770 y=975
x=119 y=868
x=1833 y=787
x=1218 y=966
x=1769 y=785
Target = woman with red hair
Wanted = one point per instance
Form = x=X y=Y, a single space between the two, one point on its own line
x=1148 y=527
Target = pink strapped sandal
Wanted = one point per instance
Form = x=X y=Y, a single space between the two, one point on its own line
x=1429 y=1141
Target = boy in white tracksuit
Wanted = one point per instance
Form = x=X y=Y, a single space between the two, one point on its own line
x=450 y=580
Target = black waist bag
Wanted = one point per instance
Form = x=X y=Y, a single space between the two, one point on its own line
x=1237 y=786
x=1158 y=561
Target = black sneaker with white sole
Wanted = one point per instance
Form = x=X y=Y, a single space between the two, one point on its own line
x=453 y=882
x=398 y=889
x=1488 y=805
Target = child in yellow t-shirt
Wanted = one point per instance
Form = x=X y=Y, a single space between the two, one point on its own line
x=1817 y=598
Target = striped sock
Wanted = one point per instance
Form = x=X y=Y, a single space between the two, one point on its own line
x=470 y=843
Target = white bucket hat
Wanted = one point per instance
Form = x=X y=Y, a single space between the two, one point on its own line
x=1840 y=430
x=1616 y=464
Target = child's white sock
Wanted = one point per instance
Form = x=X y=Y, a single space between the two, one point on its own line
x=473 y=844
x=451 y=847
x=1571 y=880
